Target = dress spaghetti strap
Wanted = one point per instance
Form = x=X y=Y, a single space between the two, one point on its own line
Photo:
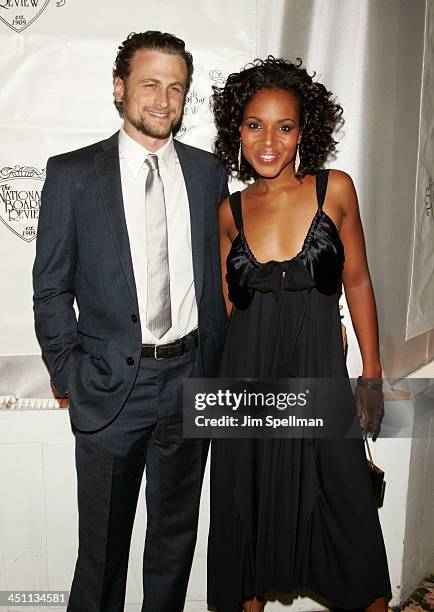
x=235 y=204
x=321 y=186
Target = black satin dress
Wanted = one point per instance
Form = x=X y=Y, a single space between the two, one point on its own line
x=288 y=513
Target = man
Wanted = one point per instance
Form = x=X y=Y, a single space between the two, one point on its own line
x=128 y=227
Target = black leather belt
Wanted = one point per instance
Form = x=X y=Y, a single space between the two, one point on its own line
x=171 y=349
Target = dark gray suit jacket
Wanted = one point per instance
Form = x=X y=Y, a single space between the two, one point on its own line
x=83 y=252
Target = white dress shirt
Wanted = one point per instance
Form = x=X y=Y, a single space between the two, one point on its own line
x=133 y=176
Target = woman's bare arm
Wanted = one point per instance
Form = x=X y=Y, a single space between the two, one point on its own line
x=356 y=278
x=225 y=220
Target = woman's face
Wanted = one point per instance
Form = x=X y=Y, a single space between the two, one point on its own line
x=270 y=132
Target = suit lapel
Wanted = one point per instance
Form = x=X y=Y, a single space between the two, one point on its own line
x=195 y=193
x=109 y=179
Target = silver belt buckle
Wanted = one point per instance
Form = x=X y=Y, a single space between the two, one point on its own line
x=155 y=353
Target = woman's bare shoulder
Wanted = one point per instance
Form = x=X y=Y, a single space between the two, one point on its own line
x=340 y=180
x=341 y=188
x=225 y=217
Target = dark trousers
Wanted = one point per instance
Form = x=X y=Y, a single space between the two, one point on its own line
x=147 y=434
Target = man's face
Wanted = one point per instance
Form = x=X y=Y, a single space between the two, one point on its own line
x=152 y=96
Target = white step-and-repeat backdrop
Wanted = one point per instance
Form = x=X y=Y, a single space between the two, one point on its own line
x=56 y=58
x=56 y=95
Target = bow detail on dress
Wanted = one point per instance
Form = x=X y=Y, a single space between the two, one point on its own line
x=289 y=281
x=277 y=276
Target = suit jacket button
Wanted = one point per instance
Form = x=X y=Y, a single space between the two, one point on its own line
x=130 y=361
x=134 y=318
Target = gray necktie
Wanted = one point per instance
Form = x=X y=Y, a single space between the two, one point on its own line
x=158 y=313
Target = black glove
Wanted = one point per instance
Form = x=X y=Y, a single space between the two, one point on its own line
x=370 y=405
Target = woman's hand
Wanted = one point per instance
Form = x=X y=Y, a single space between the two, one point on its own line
x=370 y=405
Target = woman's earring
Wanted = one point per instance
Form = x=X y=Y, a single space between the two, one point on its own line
x=239 y=158
x=297 y=159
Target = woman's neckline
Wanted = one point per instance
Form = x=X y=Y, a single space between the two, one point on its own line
x=317 y=216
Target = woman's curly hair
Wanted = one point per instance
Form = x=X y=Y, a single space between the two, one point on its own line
x=319 y=113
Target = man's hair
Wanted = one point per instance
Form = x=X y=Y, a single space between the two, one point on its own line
x=153 y=40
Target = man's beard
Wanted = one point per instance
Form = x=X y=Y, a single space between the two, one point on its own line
x=147 y=128
x=152 y=131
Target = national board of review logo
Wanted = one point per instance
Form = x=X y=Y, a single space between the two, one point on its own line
x=19 y=14
x=20 y=199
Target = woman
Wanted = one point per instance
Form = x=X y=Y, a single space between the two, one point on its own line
x=296 y=512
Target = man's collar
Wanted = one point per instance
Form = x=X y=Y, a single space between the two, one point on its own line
x=135 y=154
